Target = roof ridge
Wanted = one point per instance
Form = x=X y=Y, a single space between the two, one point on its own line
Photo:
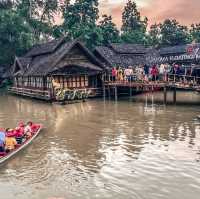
x=44 y=48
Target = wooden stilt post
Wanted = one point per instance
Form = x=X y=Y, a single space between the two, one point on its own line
x=130 y=91
x=104 y=92
x=165 y=95
x=174 y=95
x=109 y=92
x=116 y=93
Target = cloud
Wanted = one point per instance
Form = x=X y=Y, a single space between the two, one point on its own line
x=185 y=11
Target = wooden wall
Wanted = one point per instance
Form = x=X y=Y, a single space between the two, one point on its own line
x=33 y=82
x=75 y=56
x=46 y=82
x=72 y=82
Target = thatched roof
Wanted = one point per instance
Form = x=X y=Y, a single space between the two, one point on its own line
x=45 y=48
x=176 y=50
x=123 y=55
x=128 y=48
x=46 y=58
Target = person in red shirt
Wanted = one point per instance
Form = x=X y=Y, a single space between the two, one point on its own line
x=154 y=72
x=114 y=74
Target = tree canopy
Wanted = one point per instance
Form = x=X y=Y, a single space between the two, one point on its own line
x=24 y=23
x=15 y=36
x=133 y=27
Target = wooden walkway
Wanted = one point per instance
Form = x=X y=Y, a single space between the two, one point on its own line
x=111 y=88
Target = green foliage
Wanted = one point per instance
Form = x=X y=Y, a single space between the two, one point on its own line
x=134 y=37
x=80 y=22
x=153 y=36
x=40 y=15
x=133 y=27
x=15 y=36
x=131 y=19
x=195 y=32
x=109 y=30
x=6 y=4
x=24 y=23
x=172 y=33
x=42 y=10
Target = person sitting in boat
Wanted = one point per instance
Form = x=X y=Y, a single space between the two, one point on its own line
x=19 y=133
x=34 y=127
x=10 y=141
x=10 y=132
x=31 y=127
x=28 y=130
x=2 y=141
x=21 y=127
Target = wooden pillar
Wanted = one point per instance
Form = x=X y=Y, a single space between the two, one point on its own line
x=165 y=95
x=104 y=92
x=96 y=81
x=130 y=91
x=63 y=83
x=174 y=95
x=109 y=92
x=116 y=95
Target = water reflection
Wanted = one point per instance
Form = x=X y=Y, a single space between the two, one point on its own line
x=104 y=150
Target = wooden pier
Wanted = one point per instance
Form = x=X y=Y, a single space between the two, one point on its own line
x=113 y=88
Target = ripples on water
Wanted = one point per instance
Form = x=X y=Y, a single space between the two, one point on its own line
x=104 y=150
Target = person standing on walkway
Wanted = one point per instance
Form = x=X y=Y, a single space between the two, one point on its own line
x=114 y=74
x=161 y=72
x=120 y=74
x=146 y=72
x=154 y=73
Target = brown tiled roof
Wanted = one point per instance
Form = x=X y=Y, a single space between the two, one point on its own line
x=24 y=61
x=45 y=48
x=123 y=55
x=46 y=63
x=128 y=48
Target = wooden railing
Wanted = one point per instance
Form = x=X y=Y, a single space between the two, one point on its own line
x=186 y=81
x=40 y=94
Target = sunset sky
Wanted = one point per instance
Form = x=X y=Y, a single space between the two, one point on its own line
x=185 y=11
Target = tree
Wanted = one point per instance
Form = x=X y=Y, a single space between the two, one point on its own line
x=6 y=4
x=153 y=36
x=131 y=19
x=40 y=15
x=172 y=33
x=15 y=36
x=133 y=27
x=109 y=30
x=134 y=37
x=80 y=22
x=195 y=32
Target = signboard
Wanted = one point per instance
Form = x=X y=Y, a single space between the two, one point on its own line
x=192 y=55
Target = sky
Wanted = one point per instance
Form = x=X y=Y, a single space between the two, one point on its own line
x=185 y=11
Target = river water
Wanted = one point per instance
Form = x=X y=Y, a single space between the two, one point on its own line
x=137 y=149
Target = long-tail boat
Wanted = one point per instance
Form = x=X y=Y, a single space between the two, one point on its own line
x=6 y=156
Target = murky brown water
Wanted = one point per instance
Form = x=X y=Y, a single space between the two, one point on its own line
x=104 y=150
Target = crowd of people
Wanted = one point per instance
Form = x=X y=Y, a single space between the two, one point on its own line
x=149 y=73
x=11 y=138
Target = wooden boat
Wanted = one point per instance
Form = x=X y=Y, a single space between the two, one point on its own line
x=7 y=156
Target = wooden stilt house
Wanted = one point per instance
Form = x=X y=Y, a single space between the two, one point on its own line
x=51 y=68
